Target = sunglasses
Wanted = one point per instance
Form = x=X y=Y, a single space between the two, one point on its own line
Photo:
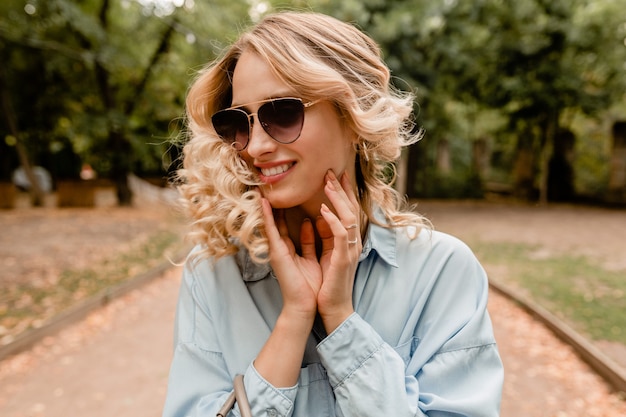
x=281 y=118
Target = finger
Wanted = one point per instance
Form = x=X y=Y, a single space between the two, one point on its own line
x=354 y=233
x=275 y=230
x=339 y=232
x=334 y=187
x=307 y=240
x=323 y=229
x=283 y=230
x=346 y=210
x=347 y=187
x=270 y=226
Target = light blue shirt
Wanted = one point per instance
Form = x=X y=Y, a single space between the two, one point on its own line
x=419 y=343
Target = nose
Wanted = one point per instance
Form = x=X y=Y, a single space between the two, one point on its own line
x=260 y=142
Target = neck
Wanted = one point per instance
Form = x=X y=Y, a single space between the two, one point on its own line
x=295 y=216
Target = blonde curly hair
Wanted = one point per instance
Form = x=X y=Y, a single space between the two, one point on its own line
x=320 y=57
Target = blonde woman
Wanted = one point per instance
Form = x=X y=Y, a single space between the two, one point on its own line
x=309 y=276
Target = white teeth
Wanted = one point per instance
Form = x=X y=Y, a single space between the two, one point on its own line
x=268 y=172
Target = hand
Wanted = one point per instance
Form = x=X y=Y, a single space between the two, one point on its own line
x=299 y=277
x=341 y=247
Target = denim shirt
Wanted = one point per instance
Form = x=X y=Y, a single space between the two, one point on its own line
x=419 y=343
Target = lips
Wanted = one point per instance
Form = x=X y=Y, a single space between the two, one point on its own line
x=276 y=170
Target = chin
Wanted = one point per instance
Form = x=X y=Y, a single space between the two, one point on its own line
x=283 y=201
x=279 y=202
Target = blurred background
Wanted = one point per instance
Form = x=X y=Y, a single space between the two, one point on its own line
x=521 y=98
x=523 y=104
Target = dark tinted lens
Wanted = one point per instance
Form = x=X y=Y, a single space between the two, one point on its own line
x=282 y=119
x=232 y=126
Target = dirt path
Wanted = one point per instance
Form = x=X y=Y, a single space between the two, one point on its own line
x=597 y=233
x=115 y=362
x=543 y=376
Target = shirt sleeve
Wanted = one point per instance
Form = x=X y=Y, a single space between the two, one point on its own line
x=199 y=380
x=452 y=367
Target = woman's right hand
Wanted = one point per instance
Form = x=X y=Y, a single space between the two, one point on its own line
x=299 y=276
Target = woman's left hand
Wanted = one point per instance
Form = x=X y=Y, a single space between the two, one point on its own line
x=341 y=246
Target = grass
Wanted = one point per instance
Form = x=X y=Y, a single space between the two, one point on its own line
x=576 y=289
x=27 y=306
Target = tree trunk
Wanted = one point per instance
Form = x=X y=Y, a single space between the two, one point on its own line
x=117 y=141
x=617 y=174
x=560 y=170
x=120 y=166
x=402 y=172
x=444 y=164
x=524 y=170
x=416 y=178
x=480 y=158
x=546 y=151
x=37 y=195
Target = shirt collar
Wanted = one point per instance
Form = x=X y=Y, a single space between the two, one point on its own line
x=251 y=271
x=382 y=240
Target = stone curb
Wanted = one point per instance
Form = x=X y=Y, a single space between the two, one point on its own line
x=603 y=365
x=73 y=314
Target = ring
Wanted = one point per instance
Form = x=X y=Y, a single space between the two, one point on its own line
x=356 y=238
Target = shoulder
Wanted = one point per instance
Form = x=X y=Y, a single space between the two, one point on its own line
x=201 y=272
x=412 y=240
x=440 y=256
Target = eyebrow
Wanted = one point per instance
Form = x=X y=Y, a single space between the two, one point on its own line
x=276 y=97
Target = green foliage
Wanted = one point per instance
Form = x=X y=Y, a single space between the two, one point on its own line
x=111 y=75
x=531 y=61
x=586 y=295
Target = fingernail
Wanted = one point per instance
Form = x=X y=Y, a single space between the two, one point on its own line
x=325 y=208
x=330 y=185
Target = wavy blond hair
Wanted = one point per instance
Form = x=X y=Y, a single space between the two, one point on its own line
x=320 y=57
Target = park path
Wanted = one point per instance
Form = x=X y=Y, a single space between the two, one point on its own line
x=115 y=361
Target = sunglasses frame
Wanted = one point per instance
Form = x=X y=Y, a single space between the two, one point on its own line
x=249 y=116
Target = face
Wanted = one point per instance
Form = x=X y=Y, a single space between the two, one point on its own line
x=292 y=174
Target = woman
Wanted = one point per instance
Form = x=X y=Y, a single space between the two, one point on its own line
x=309 y=277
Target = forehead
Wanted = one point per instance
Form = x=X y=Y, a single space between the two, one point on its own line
x=253 y=81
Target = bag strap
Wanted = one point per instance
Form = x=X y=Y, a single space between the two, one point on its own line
x=228 y=405
x=238 y=395
x=241 y=396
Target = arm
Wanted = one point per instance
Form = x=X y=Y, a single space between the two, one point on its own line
x=370 y=378
x=444 y=360
x=208 y=351
x=307 y=285
x=200 y=376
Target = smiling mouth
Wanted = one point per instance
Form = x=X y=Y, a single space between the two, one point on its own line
x=270 y=172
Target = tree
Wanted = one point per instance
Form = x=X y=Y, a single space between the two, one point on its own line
x=114 y=72
x=530 y=61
